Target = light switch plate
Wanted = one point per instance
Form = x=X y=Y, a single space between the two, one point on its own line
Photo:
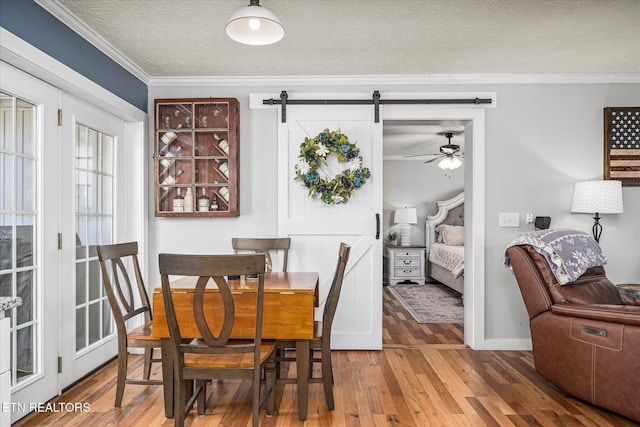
x=509 y=219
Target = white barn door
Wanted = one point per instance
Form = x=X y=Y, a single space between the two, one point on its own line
x=316 y=229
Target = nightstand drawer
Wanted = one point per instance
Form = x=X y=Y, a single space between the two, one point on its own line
x=407 y=262
x=407 y=272
x=401 y=253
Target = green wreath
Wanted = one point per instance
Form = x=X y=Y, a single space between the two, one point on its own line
x=313 y=155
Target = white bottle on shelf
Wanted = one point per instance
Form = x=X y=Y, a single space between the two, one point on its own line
x=166 y=161
x=170 y=180
x=188 y=200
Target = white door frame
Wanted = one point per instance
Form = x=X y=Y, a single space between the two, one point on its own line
x=474 y=185
x=474 y=309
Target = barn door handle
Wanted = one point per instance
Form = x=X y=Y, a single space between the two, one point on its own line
x=377 y=226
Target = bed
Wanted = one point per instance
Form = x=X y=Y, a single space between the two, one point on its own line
x=444 y=237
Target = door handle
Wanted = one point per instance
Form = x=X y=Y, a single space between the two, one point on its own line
x=377 y=226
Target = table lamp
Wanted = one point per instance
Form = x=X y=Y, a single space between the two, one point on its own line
x=597 y=197
x=405 y=217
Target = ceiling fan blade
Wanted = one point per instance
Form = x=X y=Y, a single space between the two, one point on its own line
x=421 y=155
x=433 y=160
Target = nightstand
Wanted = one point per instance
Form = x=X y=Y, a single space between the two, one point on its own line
x=406 y=264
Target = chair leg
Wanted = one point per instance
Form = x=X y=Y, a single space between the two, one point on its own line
x=148 y=355
x=202 y=396
x=122 y=374
x=180 y=403
x=270 y=382
x=255 y=398
x=327 y=378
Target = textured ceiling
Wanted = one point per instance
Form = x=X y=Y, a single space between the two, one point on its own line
x=373 y=37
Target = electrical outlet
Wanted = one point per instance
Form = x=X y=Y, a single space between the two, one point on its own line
x=529 y=218
x=509 y=219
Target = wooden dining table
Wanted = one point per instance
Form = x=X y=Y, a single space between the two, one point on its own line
x=288 y=314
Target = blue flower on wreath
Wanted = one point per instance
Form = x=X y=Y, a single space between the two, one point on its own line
x=322 y=137
x=344 y=148
x=311 y=178
x=357 y=179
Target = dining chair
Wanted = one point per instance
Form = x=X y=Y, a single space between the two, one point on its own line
x=321 y=342
x=215 y=355
x=126 y=305
x=265 y=246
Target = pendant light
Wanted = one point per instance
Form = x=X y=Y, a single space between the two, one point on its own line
x=254 y=25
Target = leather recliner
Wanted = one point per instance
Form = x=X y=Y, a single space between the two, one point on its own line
x=585 y=334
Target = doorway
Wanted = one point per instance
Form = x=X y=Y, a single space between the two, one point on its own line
x=414 y=180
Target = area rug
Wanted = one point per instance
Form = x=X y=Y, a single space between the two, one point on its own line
x=430 y=303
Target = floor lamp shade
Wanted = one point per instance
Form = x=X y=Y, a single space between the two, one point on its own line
x=597 y=197
x=405 y=217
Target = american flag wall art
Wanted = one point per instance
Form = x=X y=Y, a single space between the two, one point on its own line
x=622 y=144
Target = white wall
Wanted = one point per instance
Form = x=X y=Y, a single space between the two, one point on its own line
x=540 y=140
x=412 y=184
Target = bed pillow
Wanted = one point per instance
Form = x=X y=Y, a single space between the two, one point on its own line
x=451 y=234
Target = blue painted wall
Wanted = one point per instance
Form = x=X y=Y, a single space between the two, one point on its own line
x=33 y=24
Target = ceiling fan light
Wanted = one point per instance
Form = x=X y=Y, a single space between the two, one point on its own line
x=450 y=163
x=254 y=25
x=445 y=163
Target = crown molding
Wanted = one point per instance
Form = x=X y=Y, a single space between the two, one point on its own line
x=577 y=78
x=70 y=20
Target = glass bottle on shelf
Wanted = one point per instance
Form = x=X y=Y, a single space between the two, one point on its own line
x=167 y=139
x=167 y=157
x=214 y=203
x=222 y=143
x=204 y=202
x=170 y=180
x=178 y=202
x=188 y=200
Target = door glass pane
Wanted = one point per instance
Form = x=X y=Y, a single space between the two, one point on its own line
x=94 y=226
x=6 y=180
x=7 y=114
x=25 y=240
x=25 y=358
x=6 y=243
x=18 y=228
x=26 y=128
x=26 y=190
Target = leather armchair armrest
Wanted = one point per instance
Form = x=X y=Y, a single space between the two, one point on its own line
x=629 y=299
x=622 y=314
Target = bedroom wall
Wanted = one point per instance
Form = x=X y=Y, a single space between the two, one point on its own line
x=540 y=140
x=411 y=183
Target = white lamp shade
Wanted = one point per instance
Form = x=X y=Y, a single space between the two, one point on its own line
x=602 y=197
x=405 y=216
x=450 y=163
x=254 y=25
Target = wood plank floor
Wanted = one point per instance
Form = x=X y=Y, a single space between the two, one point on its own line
x=424 y=376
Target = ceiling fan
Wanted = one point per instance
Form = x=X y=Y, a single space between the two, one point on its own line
x=449 y=154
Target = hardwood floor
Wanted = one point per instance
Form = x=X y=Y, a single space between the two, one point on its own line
x=424 y=376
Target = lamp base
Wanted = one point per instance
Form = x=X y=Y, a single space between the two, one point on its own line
x=597 y=228
x=405 y=235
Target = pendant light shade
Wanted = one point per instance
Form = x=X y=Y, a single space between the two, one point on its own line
x=254 y=25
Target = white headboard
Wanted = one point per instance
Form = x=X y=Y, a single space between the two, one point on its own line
x=441 y=216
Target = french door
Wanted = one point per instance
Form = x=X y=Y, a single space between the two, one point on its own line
x=29 y=259
x=316 y=229
x=63 y=190
x=88 y=219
